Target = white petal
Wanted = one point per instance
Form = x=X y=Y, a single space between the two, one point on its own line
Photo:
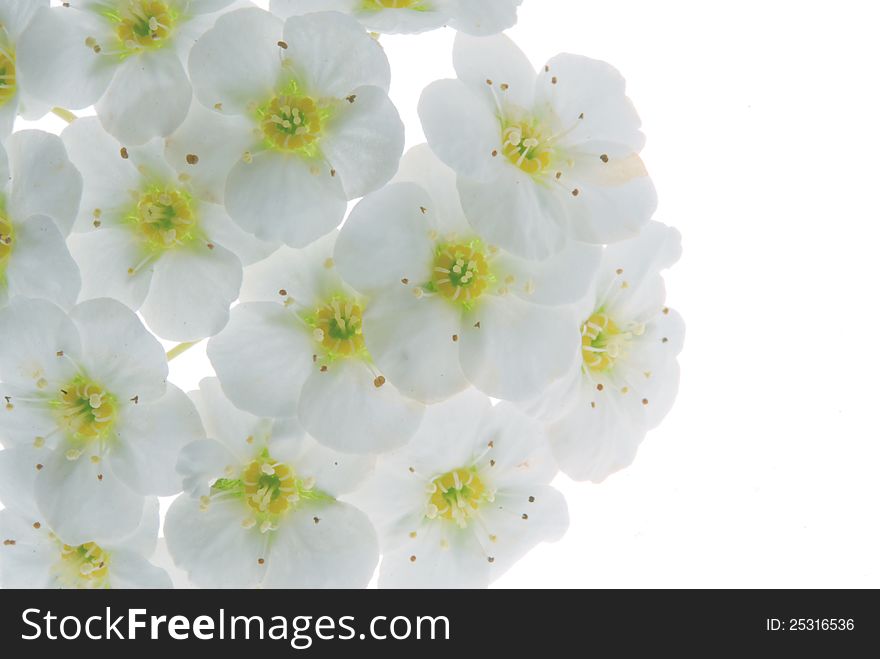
x=148 y=97
x=25 y=564
x=478 y=60
x=450 y=436
x=419 y=165
x=17 y=14
x=334 y=473
x=221 y=230
x=307 y=276
x=151 y=436
x=25 y=421
x=326 y=67
x=655 y=249
x=411 y=342
x=386 y=239
x=519 y=348
x=615 y=199
x=323 y=545
x=461 y=129
x=56 y=62
x=343 y=409
x=40 y=264
x=237 y=61
x=212 y=546
x=197 y=136
x=82 y=508
x=34 y=332
x=44 y=182
x=285 y=8
x=144 y=538
x=281 y=197
x=486 y=17
x=405 y=21
x=517 y=213
x=108 y=260
x=520 y=455
x=118 y=351
x=226 y=424
x=191 y=292
x=590 y=443
x=563 y=278
x=201 y=463
x=8 y=114
x=262 y=358
x=128 y=569
x=364 y=141
x=17 y=477
x=107 y=177
x=519 y=520
x=573 y=85
x=445 y=557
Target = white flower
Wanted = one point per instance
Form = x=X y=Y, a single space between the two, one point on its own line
x=465 y=499
x=39 y=197
x=312 y=96
x=295 y=346
x=626 y=378
x=261 y=506
x=145 y=237
x=87 y=390
x=449 y=307
x=14 y=97
x=544 y=158
x=32 y=555
x=478 y=17
x=123 y=56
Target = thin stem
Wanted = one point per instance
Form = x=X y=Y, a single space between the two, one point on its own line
x=181 y=348
x=67 y=115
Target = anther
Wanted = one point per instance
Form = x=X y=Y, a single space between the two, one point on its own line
x=192 y=159
x=124 y=153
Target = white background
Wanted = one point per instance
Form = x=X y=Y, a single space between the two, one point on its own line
x=763 y=141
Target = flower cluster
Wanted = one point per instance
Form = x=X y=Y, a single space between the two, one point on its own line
x=397 y=384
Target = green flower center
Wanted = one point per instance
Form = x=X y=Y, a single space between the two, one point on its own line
x=84 y=566
x=86 y=411
x=461 y=272
x=603 y=341
x=292 y=121
x=165 y=217
x=525 y=146
x=7 y=73
x=270 y=490
x=338 y=327
x=7 y=234
x=144 y=23
x=456 y=496
x=376 y=5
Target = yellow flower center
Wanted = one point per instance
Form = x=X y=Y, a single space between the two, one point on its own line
x=85 y=410
x=457 y=495
x=6 y=237
x=603 y=341
x=292 y=122
x=461 y=271
x=525 y=146
x=338 y=328
x=85 y=566
x=165 y=217
x=144 y=24
x=392 y=4
x=7 y=73
x=270 y=487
